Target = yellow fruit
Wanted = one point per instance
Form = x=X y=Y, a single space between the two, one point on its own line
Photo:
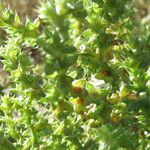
x=115 y=116
x=124 y=92
x=77 y=89
x=80 y=101
x=108 y=55
x=62 y=106
x=115 y=119
x=103 y=74
x=132 y=96
x=114 y=98
x=80 y=83
x=79 y=104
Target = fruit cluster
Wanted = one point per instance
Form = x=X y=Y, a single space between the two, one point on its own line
x=91 y=89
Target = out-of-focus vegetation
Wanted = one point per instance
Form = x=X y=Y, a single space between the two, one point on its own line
x=26 y=7
x=143 y=9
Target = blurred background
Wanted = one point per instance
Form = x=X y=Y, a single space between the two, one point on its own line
x=22 y=7
x=27 y=8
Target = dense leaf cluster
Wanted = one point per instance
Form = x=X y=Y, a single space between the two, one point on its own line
x=91 y=89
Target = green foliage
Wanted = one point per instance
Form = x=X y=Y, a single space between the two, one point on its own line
x=91 y=90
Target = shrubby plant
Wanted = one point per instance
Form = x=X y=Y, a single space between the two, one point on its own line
x=89 y=91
